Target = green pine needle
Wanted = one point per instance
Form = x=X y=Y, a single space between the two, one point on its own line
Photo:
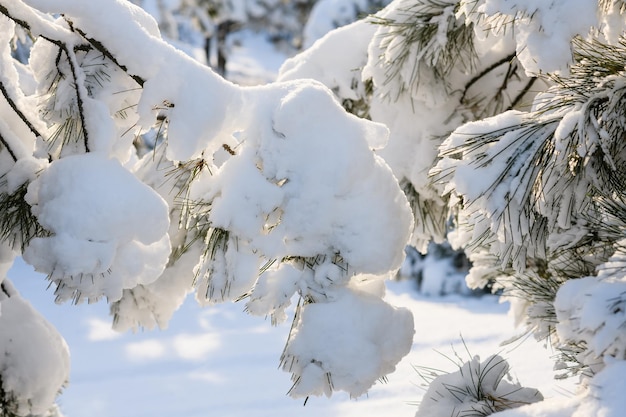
x=419 y=29
x=17 y=223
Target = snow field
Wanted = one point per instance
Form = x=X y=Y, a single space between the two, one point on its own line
x=220 y=361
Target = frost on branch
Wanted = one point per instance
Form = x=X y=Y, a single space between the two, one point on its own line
x=257 y=194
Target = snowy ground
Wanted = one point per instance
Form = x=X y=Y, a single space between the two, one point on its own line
x=220 y=361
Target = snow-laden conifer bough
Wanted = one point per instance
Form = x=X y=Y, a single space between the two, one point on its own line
x=507 y=117
x=252 y=194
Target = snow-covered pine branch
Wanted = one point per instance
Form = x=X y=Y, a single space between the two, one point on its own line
x=477 y=389
x=532 y=188
x=546 y=174
x=420 y=68
x=34 y=360
x=257 y=194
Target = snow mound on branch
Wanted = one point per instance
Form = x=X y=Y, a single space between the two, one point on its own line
x=152 y=305
x=108 y=230
x=305 y=177
x=324 y=357
x=605 y=396
x=591 y=312
x=476 y=389
x=34 y=358
x=343 y=77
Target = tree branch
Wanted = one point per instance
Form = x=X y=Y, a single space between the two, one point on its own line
x=103 y=49
x=522 y=93
x=6 y=145
x=71 y=59
x=17 y=111
x=485 y=72
x=5 y=291
x=20 y=22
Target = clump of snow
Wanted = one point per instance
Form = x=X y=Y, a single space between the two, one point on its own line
x=152 y=305
x=307 y=173
x=605 y=395
x=108 y=230
x=274 y=290
x=343 y=77
x=543 y=30
x=24 y=171
x=324 y=357
x=34 y=358
x=591 y=312
x=227 y=275
x=478 y=388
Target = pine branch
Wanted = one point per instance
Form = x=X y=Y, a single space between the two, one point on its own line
x=312 y=262
x=431 y=217
x=607 y=5
x=81 y=92
x=10 y=101
x=483 y=73
x=22 y=23
x=212 y=274
x=522 y=93
x=17 y=223
x=418 y=28
x=78 y=87
x=502 y=218
x=8 y=148
x=62 y=108
x=17 y=111
x=103 y=49
x=183 y=175
x=8 y=402
x=495 y=89
x=475 y=389
x=3 y=288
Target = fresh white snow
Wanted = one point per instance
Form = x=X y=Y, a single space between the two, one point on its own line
x=219 y=361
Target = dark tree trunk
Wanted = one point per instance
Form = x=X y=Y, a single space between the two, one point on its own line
x=223 y=29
